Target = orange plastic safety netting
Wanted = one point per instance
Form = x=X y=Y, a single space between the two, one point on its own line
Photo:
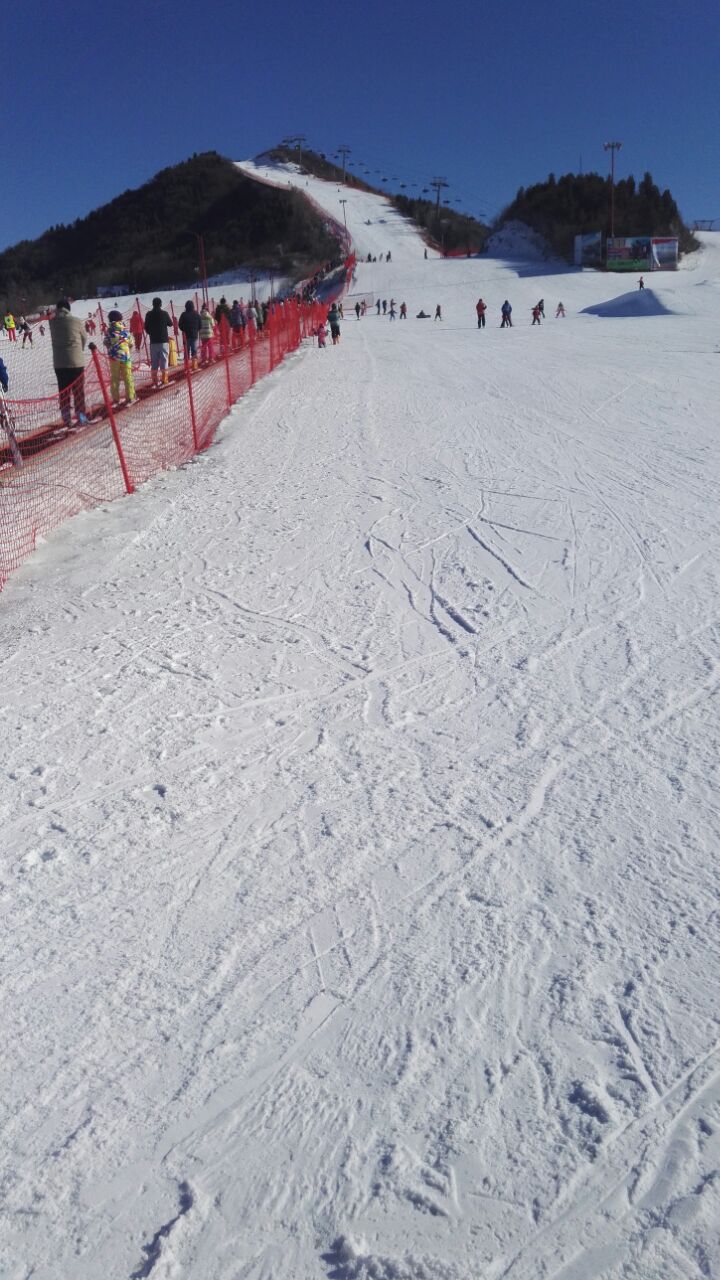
x=54 y=464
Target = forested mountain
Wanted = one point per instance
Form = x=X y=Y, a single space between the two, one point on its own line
x=147 y=238
x=565 y=207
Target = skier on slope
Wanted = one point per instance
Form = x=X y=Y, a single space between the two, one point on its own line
x=438 y=312
x=481 y=308
x=536 y=314
x=560 y=310
x=334 y=322
x=137 y=328
x=641 y=283
x=506 y=312
x=118 y=343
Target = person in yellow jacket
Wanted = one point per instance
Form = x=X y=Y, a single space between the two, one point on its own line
x=9 y=326
x=207 y=335
x=118 y=343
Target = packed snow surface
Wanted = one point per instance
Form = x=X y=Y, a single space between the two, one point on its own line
x=359 y=811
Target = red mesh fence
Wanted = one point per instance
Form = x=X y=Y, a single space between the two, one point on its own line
x=53 y=465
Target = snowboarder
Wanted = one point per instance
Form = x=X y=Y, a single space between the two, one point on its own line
x=560 y=310
x=481 y=308
x=506 y=312
x=438 y=312
x=641 y=283
x=423 y=315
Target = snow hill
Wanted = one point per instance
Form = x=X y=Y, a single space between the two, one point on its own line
x=359 y=804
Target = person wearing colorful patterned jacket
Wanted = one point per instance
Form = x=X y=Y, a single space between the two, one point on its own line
x=119 y=348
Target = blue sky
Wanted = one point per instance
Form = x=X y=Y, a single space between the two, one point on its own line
x=491 y=95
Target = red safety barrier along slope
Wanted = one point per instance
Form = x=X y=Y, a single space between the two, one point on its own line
x=53 y=467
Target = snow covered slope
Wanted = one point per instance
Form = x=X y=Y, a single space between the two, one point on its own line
x=359 y=806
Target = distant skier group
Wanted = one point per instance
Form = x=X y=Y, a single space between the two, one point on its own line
x=538 y=313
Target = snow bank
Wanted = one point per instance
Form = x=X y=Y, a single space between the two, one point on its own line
x=638 y=303
x=516 y=242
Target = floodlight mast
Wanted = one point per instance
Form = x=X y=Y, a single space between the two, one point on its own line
x=612 y=147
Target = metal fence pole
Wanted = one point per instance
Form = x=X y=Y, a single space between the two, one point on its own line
x=130 y=487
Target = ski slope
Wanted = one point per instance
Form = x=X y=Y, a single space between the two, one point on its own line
x=360 y=814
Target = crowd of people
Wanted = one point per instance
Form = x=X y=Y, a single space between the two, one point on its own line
x=208 y=334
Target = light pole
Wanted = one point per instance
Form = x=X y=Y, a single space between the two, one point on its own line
x=612 y=147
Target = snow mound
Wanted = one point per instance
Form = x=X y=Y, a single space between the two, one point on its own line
x=517 y=242
x=351 y=1261
x=641 y=302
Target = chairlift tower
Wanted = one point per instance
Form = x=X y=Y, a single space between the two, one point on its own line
x=344 y=152
x=438 y=184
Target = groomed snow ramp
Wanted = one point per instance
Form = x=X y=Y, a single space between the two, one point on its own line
x=635 y=305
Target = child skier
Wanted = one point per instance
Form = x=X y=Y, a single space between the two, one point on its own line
x=560 y=310
x=117 y=342
x=321 y=334
x=207 y=333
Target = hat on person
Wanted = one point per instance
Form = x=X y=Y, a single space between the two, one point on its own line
x=114 y=315
x=62 y=305
x=157 y=302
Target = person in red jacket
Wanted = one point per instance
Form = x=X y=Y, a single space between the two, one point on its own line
x=481 y=308
x=137 y=328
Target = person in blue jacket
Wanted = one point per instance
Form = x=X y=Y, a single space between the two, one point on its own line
x=3 y=375
x=506 y=311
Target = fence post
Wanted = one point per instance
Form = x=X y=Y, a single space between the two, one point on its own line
x=191 y=398
x=130 y=487
x=225 y=339
x=144 y=335
x=251 y=339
